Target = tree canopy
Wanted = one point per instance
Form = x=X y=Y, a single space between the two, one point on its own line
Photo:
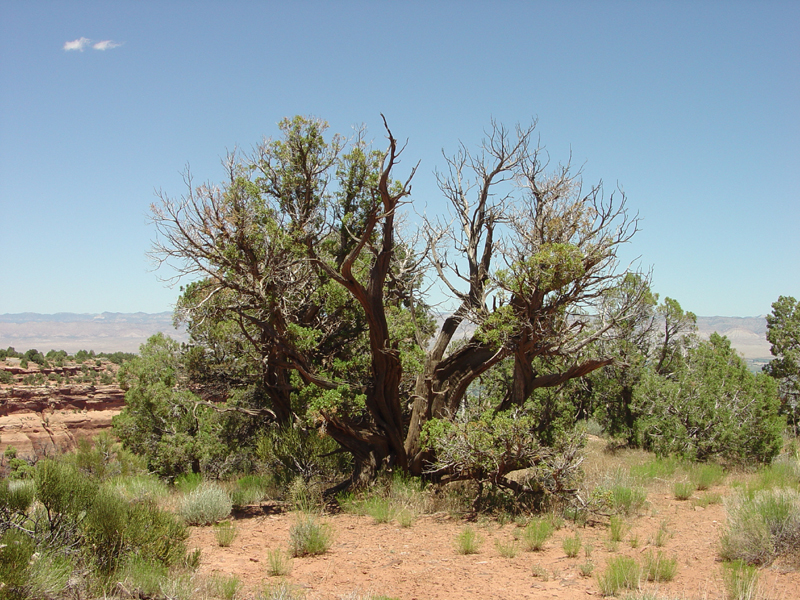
x=306 y=289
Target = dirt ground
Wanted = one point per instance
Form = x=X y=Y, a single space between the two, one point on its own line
x=420 y=562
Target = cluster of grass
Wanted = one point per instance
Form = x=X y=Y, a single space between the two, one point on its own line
x=571 y=545
x=468 y=541
x=625 y=573
x=536 y=533
x=309 y=537
x=279 y=564
x=399 y=499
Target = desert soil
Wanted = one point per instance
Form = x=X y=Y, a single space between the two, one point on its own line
x=420 y=562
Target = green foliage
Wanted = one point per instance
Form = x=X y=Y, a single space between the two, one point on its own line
x=659 y=568
x=487 y=448
x=617 y=528
x=627 y=500
x=706 y=476
x=6 y=376
x=783 y=333
x=16 y=550
x=160 y=421
x=309 y=537
x=713 y=406
x=289 y=451
x=506 y=549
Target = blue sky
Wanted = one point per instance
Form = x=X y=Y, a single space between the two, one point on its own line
x=693 y=108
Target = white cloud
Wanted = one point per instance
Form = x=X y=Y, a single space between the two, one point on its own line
x=78 y=44
x=106 y=45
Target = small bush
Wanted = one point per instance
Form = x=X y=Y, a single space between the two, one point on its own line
x=506 y=549
x=186 y=483
x=741 y=580
x=571 y=545
x=250 y=489
x=621 y=572
x=628 y=500
x=309 y=537
x=467 y=541
x=225 y=587
x=661 y=536
x=304 y=496
x=659 y=568
x=405 y=517
x=49 y=575
x=379 y=509
x=762 y=526
x=586 y=569
x=535 y=534
x=708 y=499
x=225 y=532
x=278 y=563
x=207 y=504
x=683 y=490
x=143 y=578
x=616 y=528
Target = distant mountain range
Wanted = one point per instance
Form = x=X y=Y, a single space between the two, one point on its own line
x=105 y=332
x=111 y=332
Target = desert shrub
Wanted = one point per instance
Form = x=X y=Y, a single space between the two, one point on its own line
x=488 y=447
x=621 y=572
x=309 y=537
x=658 y=468
x=251 y=488
x=683 y=490
x=207 y=504
x=506 y=549
x=6 y=376
x=289 y=452
x=143 y=578
x=305 y=496
x=536 y=533
x=762 y=526
x=16 y=550
x=468 y=541
x=49 y=574
x=278 y=563
x=281 y=591
x=571 y=545
x=712 y=406
x=115 y=529
x=225 y=532
x=224 y=586
x=628 y=500
x=616 y=528
x=143 y=487
x=66 y=495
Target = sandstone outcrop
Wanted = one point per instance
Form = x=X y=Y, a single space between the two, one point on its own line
x=52 y=416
